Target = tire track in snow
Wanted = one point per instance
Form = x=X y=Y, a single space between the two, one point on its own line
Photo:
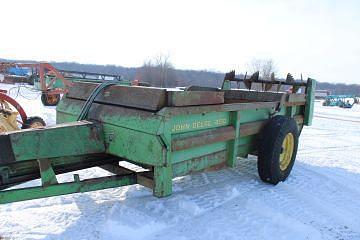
x=334 y=230
x=245 y=213
x=340 y=221
x=335 y=118
x=331 y=178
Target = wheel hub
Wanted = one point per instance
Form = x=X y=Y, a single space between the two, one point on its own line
x=287 y=151
x=51 y=98
x=36 y=125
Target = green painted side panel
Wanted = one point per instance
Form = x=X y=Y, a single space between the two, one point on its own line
x=195 y=122
x=245 y=145
x=140 y=120
x=150 y=124
x=49 y=142
x=68 y=110
x=196 y=152
x=310 y=101
x=133 y=145
x=252 y=115
x=245 y=116
x=64 y=118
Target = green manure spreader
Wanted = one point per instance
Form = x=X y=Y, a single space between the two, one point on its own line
x=164 y=133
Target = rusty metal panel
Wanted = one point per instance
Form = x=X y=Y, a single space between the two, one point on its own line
x=182 y=142
x=251 y=96
x=193 y=98
x=247 y=129
x=214 y=160
x=173 y=111
x=81 y=90
x=251 y=128
x=137 y=97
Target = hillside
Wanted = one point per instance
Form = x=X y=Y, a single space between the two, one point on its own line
x=189 y=77
x=194 y=77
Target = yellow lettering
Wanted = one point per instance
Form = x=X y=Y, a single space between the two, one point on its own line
x=198 y=124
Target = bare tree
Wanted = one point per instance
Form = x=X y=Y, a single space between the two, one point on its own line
x=264 y=66
x=158 y=71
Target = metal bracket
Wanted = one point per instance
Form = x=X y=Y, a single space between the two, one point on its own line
x=47 y=173
x=233 y=144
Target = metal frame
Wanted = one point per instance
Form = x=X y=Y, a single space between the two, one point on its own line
x=90 y=75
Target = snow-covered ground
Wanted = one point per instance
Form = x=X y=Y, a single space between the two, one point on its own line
x=320 y=199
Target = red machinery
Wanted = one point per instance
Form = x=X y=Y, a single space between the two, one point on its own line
x=10 y=110
x=50 y=94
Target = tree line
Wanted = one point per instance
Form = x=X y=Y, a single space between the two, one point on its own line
x=163 y=74
x=159 y=72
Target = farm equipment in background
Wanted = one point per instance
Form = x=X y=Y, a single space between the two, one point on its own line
x=357 y=100
x=50 y=81
x=346 y=104
x=70 y=77
x=45 y=78
x=13 y=75
x=13 y=116
x=165 y=132
x=342 y=101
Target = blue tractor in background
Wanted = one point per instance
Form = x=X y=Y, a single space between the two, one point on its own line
x=19 y=71
x=342 y=101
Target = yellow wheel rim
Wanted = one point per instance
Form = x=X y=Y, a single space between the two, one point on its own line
x=36 y=125
x=2 y=129
x=287 y=151
x=52 y=99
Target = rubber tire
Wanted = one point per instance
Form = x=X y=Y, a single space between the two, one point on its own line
x=31 y=120
x=45 y=100
x=270 y=147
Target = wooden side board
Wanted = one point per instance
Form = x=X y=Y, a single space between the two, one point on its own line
x=252 y=96
x=154 y=99
x=148 y=98
x=137 y=97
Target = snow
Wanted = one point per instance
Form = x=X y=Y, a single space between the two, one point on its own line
x=320 y=199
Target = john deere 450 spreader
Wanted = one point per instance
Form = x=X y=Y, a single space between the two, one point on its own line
x=168 y=133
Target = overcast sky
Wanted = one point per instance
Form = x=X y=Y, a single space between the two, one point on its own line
x=320 y=39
